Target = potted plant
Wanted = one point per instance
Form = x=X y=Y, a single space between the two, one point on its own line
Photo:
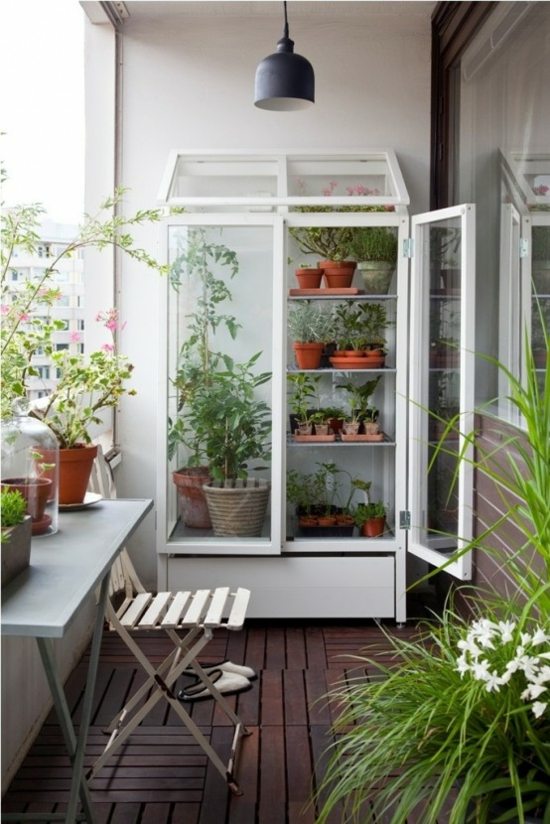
x=15 y=534
x=374 y=321
x=208 y=265
x=331 y=244
x=87 y=384
x=462 y=713
x=362 y=413
x=303 y=392
x=371 y=519
x=375 y=249
x=310 y=328
x=234 y=425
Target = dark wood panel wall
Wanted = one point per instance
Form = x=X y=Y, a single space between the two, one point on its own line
x=490 y=505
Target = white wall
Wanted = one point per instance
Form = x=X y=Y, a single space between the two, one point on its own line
x=188 y=83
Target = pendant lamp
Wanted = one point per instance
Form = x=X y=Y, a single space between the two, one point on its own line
x=284 y=81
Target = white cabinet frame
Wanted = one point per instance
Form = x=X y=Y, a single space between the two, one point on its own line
x=430 y=548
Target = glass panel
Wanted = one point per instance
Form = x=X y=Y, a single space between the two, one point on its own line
x=221 y=176
x=219 y=367
x=443 y=242
x=343 y=177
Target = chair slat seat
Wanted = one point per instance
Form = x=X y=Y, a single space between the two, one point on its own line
x=238 y=611
x=214 y=616
x=197 y=608
x=136 y=609
x=173 y=614
x=155 y=611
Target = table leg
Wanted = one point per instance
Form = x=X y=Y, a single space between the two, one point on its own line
x=76 y=748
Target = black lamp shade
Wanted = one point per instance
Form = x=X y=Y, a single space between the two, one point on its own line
x=284 y=81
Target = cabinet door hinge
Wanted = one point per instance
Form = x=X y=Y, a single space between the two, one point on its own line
x=523 y=247
x=404 y=519
x=408 y=247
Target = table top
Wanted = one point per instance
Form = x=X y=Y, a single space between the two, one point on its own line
x=42 y=600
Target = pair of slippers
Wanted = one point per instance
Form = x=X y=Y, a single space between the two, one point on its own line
x=228 y=678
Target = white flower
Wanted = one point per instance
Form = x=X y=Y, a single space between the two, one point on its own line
x=506 y=629
x=538 y=708
x=469 y=645
x=462 y=665
x=481 y=670
x=539 y=637
x=493 y=682
x=533 y=691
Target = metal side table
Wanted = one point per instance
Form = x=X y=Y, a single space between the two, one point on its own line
x=42 y=601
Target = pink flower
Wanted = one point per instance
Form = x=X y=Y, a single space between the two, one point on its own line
x=541 y=190
x=108 y=348
x=75 y=337
x=4 y=309
x=24 y=316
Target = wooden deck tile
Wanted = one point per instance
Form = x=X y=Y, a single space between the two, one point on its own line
x=161 y=776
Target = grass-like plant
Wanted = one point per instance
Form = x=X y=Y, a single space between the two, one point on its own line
x=13 y=507
x=457 y=728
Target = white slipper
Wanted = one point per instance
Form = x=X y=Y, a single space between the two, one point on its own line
x=226 y=666
x=227 y=683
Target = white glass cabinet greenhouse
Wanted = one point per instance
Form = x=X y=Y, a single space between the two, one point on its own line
x=282 y=451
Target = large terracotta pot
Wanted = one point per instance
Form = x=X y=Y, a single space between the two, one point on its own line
x=36 y=492
x=308 y=355
x=75 y=467
x=194 y=509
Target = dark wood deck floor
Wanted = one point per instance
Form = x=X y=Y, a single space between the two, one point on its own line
x=161 y=775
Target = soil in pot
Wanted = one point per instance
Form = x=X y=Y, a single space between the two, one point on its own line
x=193 y=506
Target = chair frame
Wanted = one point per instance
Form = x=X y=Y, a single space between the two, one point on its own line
x=189 y=619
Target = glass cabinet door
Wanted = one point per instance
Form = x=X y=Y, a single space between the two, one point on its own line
x=221 y=445
x=536 y=289
x=442 y=352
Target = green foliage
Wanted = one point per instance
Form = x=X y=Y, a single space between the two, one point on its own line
x=221 y=421
x=359 y=399
x=373 y=243
x=451 y=746
x=232 y=425
x=365 y=512
x=328 y=242
x=28 y=326
x=322 y=490
x=466 y=741
x=13 y=507
x=360 y=325
x=86 y=385
x=304 y=389
x=309 y=324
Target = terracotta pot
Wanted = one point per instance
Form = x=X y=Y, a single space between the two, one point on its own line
x=373 y=528
x=193 y=506
x=321 y=428
x=351 y=427
x=308 y=355
x=326 y=520
x=304 y=429
x=309 y=278
x=75 y=467
x=36 y=492
x=338 y=273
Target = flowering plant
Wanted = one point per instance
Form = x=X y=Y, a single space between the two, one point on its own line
x=86 y=385
x=498 y=654
x=27 y=324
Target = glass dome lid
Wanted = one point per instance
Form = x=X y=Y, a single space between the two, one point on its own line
x=30 y=464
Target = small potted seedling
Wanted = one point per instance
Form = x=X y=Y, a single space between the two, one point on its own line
x=308 y=277
x=300 y=401
x=370 y=518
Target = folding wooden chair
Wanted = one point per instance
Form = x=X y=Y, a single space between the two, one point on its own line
x=189 y=619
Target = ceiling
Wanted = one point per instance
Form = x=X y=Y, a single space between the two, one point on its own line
x=144 y=10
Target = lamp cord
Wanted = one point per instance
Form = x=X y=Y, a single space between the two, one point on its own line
x=285 y=33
